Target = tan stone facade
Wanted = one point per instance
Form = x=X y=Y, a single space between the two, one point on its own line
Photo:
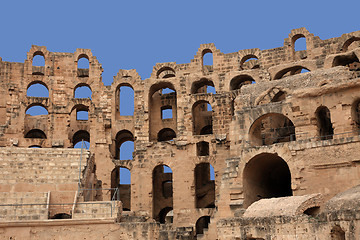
x=283 y=125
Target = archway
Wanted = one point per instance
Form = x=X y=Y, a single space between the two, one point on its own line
x=325 y=127
x=121 y=179
x=266 y=176
x=162 y=192
x=204 y=186
x=37 y=89
x=272 y=128
x=202 y=118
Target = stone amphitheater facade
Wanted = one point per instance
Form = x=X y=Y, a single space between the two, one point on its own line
x=262 y=144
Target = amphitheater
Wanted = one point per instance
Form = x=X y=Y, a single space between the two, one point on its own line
x=260 y=144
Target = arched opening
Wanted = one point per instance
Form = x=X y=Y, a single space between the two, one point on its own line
x=36 y=110
x=272 y=128
x=162 y=109
x=202 y=118
x=124 y=144
x=35 y=133
x=121 y=179
x=280 y=96
x=38 y=63
x=165 y=72
x=299 y=42
x=83 y=66
x=34 y=146
x=81 y=139
x=201 y=224
x=125 y=100
x=239 y=81
x=166 y=134
x=82 y=91
x=249 y=62
x=351 y=44
x=350 y=61
x=82 y=115
x=61 y=216
x=202 y=148
x=266 y=176
x=162 y=193
x=290 y=72
x=355 y=113
x=337 y=233
x=325 y=127
x=207 y=60
x=37 y=89
x=204 y=186
x=204 y=85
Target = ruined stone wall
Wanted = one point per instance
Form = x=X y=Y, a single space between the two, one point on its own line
x=291 y=115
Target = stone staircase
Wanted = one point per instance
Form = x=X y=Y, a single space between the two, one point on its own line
x=96 y=209
x=17 y=206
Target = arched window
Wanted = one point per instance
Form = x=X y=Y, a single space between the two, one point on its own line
x=83 y=66
x=239 y=81
x=202 y=118
x=165 y=72
x=38 y=63
x=121 y=186
x=249 y=62
x=35 y=133
x=125 y=100
x=272 y=128
x=204 y=186
x=166 y=134
x=36 y=110
x=351 y=44
x=266 y=176
x=290 y=72
x=299 y=42
x=162 y=111
x=124 y=145
x=204 y=85
x=37 y=89
x=81 y=139
x=162 y=193
x=207 y=60
x=351 y=61
x=82 y=91
x=325 y=127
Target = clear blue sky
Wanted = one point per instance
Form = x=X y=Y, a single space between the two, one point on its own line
x=138 y=34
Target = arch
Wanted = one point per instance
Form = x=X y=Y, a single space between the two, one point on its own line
x=82 y=90
x=83 y=66
x=165 y=72
x=201 y=224
x=166 y=134
x=202 y=118
x=79 y=136
x=204 y=186
x=290 y=71
x=271 y=128
x=240 y=80
x=162 y=192
x=249 y=61
x=207 y=60
x=35 y=133
x=124 y=97
x=337 y=233
x=297 y=44
x=355 y=114
x=201 y=86
x=36 y=109
x=162 y=96
x=350 y=60
x=38 y=63
x=202 y=148
x=266 y=175
x=35 y=146
x=37 y=89
x=121 y=179
x=345 y=47
x=324 y=124
x=279 y=96
x=124 y=152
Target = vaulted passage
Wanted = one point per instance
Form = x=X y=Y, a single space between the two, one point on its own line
x=272 y=128
x=266 y=176
x=162 y=194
